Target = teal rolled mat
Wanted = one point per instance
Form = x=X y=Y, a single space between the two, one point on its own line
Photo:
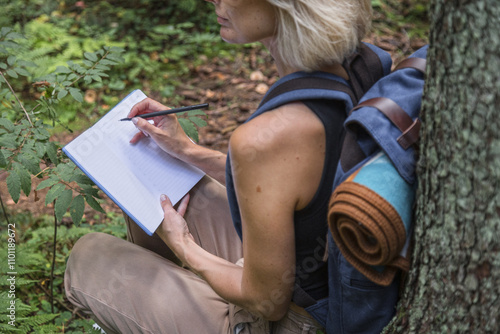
x=370 y=217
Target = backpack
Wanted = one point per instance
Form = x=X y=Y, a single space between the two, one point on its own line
x=376 y=129
x=378 y=153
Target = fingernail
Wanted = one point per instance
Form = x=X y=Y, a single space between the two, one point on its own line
x=163 y=197
x=135 y=120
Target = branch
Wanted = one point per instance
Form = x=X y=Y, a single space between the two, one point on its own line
x=18 y=101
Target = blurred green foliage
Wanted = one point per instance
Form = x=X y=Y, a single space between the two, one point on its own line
x=163 y=41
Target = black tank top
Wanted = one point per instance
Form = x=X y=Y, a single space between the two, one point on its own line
x=310 y=223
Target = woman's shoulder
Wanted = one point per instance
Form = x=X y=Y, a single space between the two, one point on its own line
x=279 y=128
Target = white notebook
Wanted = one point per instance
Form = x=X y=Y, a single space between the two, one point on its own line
x=132 y=175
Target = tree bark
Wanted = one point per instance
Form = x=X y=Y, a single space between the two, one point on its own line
x=454 y=283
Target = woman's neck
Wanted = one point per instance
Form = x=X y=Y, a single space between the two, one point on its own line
x=284 y=69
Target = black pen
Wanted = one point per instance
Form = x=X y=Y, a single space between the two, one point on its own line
x=170 y=111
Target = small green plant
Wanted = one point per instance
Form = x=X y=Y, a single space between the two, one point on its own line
x=25 y=141
x=27 y=152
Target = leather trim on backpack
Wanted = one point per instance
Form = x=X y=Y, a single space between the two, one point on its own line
x=409 y=128
x=414 y=62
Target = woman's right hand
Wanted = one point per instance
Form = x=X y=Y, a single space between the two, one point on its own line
x=166 y=130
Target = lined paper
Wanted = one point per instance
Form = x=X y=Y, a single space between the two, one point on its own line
x=133 y=176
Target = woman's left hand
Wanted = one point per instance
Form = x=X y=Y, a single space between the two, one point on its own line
x=174 y=230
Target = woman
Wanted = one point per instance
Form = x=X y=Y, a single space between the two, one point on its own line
x=278 y=190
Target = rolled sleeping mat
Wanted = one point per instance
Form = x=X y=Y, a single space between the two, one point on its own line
x=370 y=217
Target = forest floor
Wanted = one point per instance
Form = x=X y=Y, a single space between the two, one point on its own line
x=233 y=88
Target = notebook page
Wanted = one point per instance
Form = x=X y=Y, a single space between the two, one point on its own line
x=133 y=176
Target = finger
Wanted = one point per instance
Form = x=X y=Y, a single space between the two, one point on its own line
x=145 y=106
x=166 y=204
x=183 y=205
x=138 y=136
x=138 y=108
x=146 y=128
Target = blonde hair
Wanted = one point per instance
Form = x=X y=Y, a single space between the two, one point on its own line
x=313 y=33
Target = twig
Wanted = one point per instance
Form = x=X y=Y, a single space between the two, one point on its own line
x=18 y=101
x=53 y=264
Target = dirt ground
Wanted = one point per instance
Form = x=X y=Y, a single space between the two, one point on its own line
x=233 y=90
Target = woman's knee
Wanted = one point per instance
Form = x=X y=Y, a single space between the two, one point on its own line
x=90 y=243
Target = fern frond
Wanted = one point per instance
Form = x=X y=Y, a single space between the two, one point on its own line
x=37 y=320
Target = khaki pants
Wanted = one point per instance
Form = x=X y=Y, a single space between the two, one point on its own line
x=138 y=287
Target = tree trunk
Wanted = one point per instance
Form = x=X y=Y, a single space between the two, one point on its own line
x=454 y=283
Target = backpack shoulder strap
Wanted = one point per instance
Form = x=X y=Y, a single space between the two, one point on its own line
x=364 y=67
x=302 y=85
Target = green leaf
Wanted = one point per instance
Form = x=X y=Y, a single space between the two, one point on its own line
x=117 y=49
x=90 y=56
x=89 y=190
x=62 y=203
x=91 y=201
x=198 y=121
x=189 y=128
x=7 y=124
x=108 y=62
x=88 y=63
x=14 y=186
x=62 y=93
x=12 y=74
x=8 y=142
x=3 y=161
x=14 y=35
x=41 y=133
x=26 y=63
x=11 y=60
x=196 y=113
x=29 y=162
x=24 y=179
x=77 y=95
x=5 y=30
x=76 y=209
x=82 y=179
x=40 y=149
x=65 y=171
x=51 y=150
x=22 y=71
x=47 y=183
x=102 y=67
x=3 y=65
x=62 y=69
x=54 y=192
